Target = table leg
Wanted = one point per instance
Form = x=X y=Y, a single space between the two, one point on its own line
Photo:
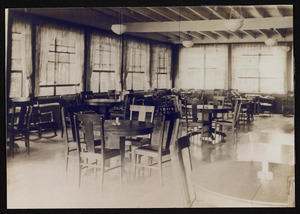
x=122 y=152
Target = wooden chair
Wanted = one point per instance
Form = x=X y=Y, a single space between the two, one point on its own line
x=95 y=146
x=111 y=94
x=67 y=114
x=219 y=101
x=142 y=114
x=182 y=167
x=232 y=123
x=46 y=108
x=18 y=127
x=67 y=100
x=169 y=131
x=122 y=111
x=195 y=126
x=288 y=104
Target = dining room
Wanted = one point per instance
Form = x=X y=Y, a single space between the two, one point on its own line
x=172 y=106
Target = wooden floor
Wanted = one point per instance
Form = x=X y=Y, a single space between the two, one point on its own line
x=41 y=181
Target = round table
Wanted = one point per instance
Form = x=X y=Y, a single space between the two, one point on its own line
x=125 y=129
x=210 y=110
x=236 y=184
x=102 y=105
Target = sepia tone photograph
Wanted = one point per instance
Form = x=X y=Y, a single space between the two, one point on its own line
x=187 y=106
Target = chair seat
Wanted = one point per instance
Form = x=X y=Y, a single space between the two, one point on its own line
x=109 y=153
x=224 y=122
x=266 y=104
x=139 y=141
x=150 y=150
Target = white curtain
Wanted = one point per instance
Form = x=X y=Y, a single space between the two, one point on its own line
x=21 y=59
x=161 y=62
x=258 y=68
x=105 y=55
x=60 y=59
x=203 y=67
x=137 y=72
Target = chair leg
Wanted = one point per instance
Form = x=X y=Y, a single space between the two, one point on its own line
x=134 y=164
x=149 y=163
x=27 y=143
x=79 y=173
x=121 y=172
x=95 y=169
x=102 y=174
x=160 y=171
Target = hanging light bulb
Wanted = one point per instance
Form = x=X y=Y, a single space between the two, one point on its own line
x=188 y=42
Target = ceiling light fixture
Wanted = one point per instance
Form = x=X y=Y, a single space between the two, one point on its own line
x=119 y=28
x=233 y=24
x=188 y=42
x=285 y=48
x=271 y=41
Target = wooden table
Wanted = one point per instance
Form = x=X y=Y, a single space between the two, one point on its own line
x=125 y=129
x=236 y=184
x=209 y=111
x=102 y=105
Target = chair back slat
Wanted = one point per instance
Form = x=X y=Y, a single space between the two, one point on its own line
x=142 y=112
x=169 y=131
x=236 y=114
x=89 y=121
x=182 y=167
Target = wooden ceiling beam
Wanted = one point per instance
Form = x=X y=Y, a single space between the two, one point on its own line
x=161 y=13
x=202 y=15
x=218 y=12
x=281 y=32
x=259 y=11
x=197 y=35
x=209 y=25
x=222 y=34
x=279 y=11
x=135 y=15
x=250 y=33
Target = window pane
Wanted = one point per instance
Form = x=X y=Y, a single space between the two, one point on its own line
x=16 y=84
x=44 y=91
x=107 y=81
x=66 y=90
x=138 y=81
x=162 y=81
x=95 y=82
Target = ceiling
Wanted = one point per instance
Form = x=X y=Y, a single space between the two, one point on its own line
x=206 y=24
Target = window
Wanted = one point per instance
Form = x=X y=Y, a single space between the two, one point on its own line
x=60 y=60
x=105 y=64
x=204 y=67
x=16 y=76
x=21 y=59
x=161 y=74
x=161 y=66
x=258 y=68
x=137 y=71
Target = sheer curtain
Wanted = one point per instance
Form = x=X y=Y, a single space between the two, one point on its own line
x=21 y=59
x=203 y=67
x=104 y=69
x=137 y=72
x=258 y=68
x=161 y=63
x=60 y=59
